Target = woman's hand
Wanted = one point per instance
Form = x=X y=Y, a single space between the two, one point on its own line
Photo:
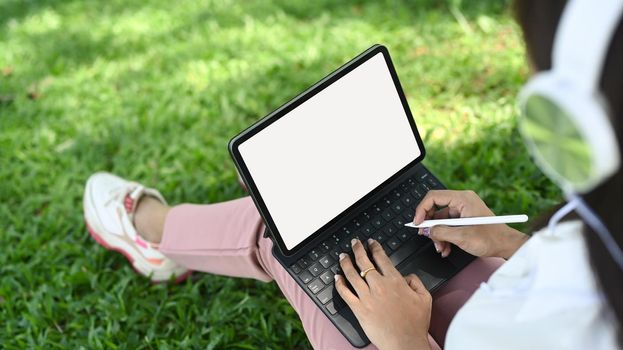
x=479 y=240
x=394 y=311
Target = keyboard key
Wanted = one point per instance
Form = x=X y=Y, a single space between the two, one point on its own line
x=405 y=234
x=365 y=216
x=327 y=277
x=394 y=243
x=314 y=254
x=367 y=230
x=384 y=203
x=351 y=227
x=346 y=231
x=418 y=192
x=409 y=215
x=336 y=239
x=296 y=269
x=404 y=191
x=326 y=295
x=376 y=209
x=396 y=195
x=345 y=246
x=408 y=200
x=422 y=189
x=388 y=215
x=316 y=286
x=358 y=237
x=335 y=254
x=326 y=261
x=397 y=207
x=432 y=182
x=336 y=269
x=306 y=277
x=331 y=308
x=378 y=222
x=379 y=236
x=356 y=223
x=399 y=222
x=404 y=186
x=390 y=230
x=303 y=263
x=326 y=246
x=329 y=243
x=315 y=269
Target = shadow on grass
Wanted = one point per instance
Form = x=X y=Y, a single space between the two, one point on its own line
x=80 y=47
x=308 y=10
x=17 y=9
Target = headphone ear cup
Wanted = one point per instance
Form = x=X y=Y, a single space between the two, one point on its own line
x=568 y=132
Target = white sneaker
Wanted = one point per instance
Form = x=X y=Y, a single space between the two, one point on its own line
x=109 y=205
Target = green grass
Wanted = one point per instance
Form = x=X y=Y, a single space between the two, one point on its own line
x=154 y=90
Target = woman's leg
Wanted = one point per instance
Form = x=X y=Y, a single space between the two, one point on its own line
x=216 y=238
x=453 y=294
x=226 y=239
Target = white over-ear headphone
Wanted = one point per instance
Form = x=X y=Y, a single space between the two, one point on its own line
x=564 y=119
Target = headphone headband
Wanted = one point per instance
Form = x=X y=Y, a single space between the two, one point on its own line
x=583 y=38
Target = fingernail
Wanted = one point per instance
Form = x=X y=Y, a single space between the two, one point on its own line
x=353 y=242
x=336 y=277
x=342 y=256
x=425 y=232
x=437 y=248
x=370 y=241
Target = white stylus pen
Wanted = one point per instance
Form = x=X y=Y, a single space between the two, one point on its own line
x=481 y=220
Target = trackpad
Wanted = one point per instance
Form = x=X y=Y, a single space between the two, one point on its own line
x=430 y=267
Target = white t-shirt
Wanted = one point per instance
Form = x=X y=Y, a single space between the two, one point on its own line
x=544 y=297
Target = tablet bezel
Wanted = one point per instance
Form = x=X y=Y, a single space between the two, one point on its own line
x=235 y=142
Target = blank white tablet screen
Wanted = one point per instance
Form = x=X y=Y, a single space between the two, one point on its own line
x=329 y=152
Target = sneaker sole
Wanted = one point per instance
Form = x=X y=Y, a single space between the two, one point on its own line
x=178 y=279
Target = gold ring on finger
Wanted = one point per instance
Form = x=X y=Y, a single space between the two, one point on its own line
x=365 y=272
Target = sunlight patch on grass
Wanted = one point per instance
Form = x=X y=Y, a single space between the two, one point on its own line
x=40 y=23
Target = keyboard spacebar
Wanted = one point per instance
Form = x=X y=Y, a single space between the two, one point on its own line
x=408 y=248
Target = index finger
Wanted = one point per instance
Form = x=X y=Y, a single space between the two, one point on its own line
x=381 y=258
x=432 y=199
x=360 y=286
x=349 y=297
x=362 y=260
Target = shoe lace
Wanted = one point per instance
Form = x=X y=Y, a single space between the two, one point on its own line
x=117 y=195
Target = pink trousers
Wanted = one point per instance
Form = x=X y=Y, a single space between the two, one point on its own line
x=226 y=239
